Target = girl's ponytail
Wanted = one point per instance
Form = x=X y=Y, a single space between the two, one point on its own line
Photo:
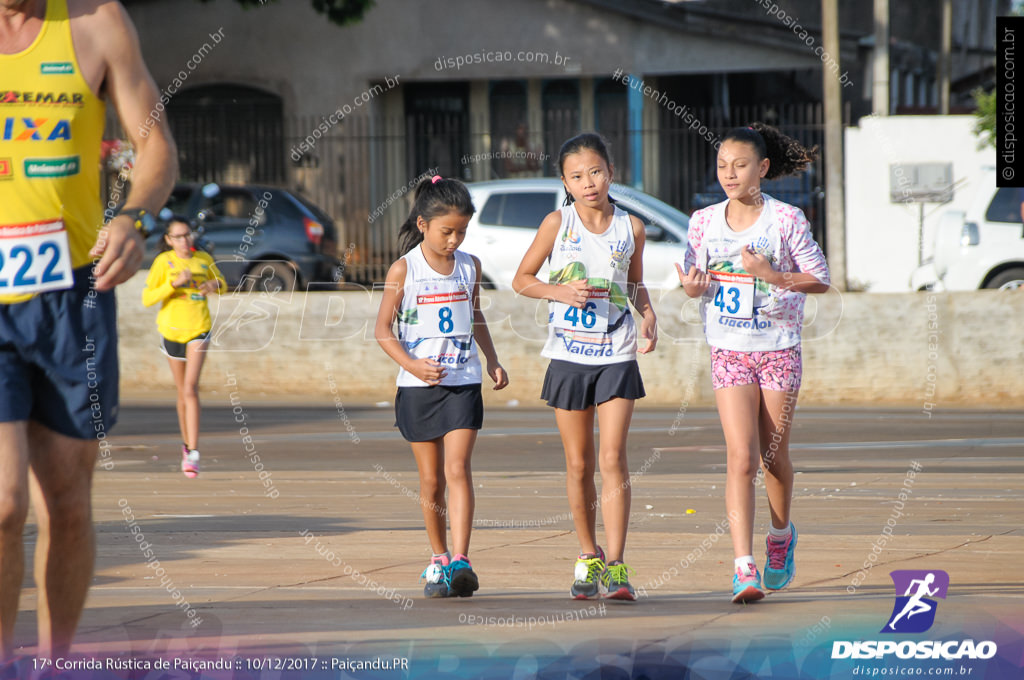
x=786 y=155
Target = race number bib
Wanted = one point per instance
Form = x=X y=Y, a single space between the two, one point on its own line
x=444 y=314
x=34 y=258
x=591 y=318
x=735 y=295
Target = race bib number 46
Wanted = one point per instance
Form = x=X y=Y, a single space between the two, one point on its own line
x=444 y=314
x=591 y=318
x=34 y=258
x=735 y=295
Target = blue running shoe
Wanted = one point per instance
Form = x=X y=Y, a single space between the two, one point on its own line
x=462 y=580
x=615 y=583
x=780 y=568
x=587 y=575
x=746 y=587
x=438 y=577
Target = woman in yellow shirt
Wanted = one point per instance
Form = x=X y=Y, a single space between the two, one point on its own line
x=181 y=278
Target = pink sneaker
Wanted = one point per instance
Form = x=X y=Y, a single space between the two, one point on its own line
x=190 y=463
x=746 y=587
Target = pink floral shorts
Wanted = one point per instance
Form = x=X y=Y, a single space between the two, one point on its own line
x=779 y=370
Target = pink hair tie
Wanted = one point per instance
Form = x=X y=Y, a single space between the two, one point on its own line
x=436 y=179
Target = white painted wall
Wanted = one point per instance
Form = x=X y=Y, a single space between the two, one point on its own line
x=881 y=236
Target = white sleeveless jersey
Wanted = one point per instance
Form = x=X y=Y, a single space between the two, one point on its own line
x=726 y=328
x=435 y=319
x=603 y=331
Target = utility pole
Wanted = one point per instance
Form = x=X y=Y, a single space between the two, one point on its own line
x=944 y=58
x=880 y=85
x=835 y=220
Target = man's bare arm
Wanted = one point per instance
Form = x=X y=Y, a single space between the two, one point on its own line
x=134 y=96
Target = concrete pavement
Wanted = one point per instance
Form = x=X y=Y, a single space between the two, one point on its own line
x=316 y=552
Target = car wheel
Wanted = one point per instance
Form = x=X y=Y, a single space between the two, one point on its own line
x=1007 y=280
x=269 y=277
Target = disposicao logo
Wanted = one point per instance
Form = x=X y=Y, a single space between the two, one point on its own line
x=914 y=612
x=918 y=587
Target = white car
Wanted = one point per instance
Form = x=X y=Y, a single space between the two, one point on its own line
x=980 y=248
x=509 y=211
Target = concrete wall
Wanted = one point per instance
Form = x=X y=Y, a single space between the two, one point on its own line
x=881 y=236
x=955 y=349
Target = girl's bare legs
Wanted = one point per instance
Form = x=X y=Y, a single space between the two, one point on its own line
x=430 y=463
x=777 y=410
x=738 y=409
x=178 y=372
x=195 y=356
x=577 y=431
x=458 y=448
x=613 y=417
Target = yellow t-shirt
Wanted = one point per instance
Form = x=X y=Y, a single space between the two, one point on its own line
x=51 y=125
x=185 y=312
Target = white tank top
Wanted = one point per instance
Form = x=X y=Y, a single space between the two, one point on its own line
x=435 y=319
x=727 y=323
x=603 y=331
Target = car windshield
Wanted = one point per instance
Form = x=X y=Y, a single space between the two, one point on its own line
x=653 y=206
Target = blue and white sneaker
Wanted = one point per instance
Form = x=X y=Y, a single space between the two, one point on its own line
x=587 y=574
x=746 y=587
x=779 y=570
x=438 y=576
x=614 y=583
x=462 y=580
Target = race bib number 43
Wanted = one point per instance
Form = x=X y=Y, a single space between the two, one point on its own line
x=34 y=258
x=444 y=314
x=735 y=295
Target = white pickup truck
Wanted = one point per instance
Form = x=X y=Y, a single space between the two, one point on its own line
x=980 y=248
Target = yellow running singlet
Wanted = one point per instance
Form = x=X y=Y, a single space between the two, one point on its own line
x=51 y=126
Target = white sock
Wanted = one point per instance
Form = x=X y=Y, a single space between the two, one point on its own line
x=746 y=563
x=780 y=535
x=445 y=554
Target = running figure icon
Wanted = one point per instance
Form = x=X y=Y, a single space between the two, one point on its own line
x=916 y=605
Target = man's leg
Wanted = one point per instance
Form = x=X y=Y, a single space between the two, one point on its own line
x=13 y=511
x=61 y=482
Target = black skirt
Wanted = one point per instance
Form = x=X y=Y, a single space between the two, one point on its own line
x=577 y=387
x=423 y=414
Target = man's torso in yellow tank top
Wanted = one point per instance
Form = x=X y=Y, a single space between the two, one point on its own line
x=51 y=127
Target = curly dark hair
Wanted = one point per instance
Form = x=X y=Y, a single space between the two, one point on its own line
x=786 y=155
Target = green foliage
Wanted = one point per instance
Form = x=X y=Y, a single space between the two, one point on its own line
x=985 y=126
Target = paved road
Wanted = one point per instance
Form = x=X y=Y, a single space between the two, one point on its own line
x=314 y=550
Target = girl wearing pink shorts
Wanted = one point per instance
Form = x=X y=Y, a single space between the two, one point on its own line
x=751 y=259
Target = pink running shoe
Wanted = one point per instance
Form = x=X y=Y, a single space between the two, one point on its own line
x=190 y=463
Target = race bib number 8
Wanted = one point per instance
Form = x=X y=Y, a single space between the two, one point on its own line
x=735 y=295
x=443 y=315
x=34 y=258
x=591 y=318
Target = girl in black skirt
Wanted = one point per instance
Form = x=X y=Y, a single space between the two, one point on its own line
x=433 y=294
x=594 y=251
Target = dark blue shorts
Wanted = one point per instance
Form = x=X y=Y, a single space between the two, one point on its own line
x=179 y=350
x=58 y=360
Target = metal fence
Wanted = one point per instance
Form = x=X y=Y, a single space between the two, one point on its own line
x=360 y=170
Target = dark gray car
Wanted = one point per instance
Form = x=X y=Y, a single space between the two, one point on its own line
x=262 y=237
